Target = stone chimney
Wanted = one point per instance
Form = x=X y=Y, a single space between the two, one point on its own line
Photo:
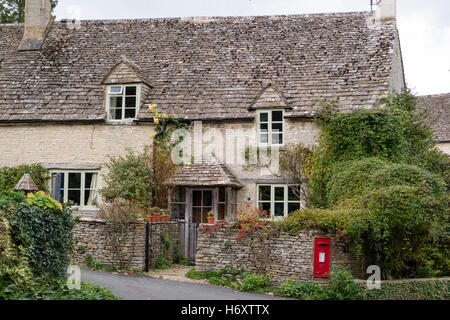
x=38 y=19
x=386 y=10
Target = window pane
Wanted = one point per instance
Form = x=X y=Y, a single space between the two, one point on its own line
x=88 y=182
x=222 y=195
x=264 y=138
x=115 y=102
x=277 y=138
x=75 y=196
x=291 y=194
x=277 y=127
x=293 y=207
x=263 y=117
x=130 y=91
x=90 y=198
x=197 y=198
x=179 y=195
x=130 y=102
x=115 y=90
x=74 y=180
x=279 y=193
x=277 y=115
x=264 y=193
x=265 y=206
x=207 y=199
x=279 y=209
x=178 y=211
x=264 y=127
x=130 y=113
x=221 y=213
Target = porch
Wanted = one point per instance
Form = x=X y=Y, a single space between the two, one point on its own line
x=198 y=189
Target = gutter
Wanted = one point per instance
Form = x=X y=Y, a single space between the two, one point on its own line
x=50 y=121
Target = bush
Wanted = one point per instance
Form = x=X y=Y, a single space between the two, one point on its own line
x=10 y=176
x=131 y=178
x=11 y=199
x=254 y=282
x=402 y=220
x=301 y=290
x=411 y=290
x=50 y=289
x=341 y=286
x=46 y=235
x=355 y=178
x=162 y=263
x=14 y=267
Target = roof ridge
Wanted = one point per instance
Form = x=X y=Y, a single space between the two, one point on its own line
x=434 y=95
x=299 y=15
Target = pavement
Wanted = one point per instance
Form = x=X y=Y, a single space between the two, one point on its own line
x=140 y=287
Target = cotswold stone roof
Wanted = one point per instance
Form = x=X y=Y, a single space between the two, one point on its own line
x=206 y=174
x=438 y=108
x=199 y=68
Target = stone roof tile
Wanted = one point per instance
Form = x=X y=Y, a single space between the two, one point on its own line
x=199 y=69
x=438 y=109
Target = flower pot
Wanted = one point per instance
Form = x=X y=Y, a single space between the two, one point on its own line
x=211 y=220
x=166 y=217
x=150 y=218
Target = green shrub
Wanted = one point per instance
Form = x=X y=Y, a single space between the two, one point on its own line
x=341 y=286
x=10 y=176
x=131 y=178
x=46 y=235
x=254 y=282
x=14 y=267
x=50 y=289
x=402 y=220
x=301 y=290
x=411 y=290
x=194 y=274
x=162 y=263
x=11 y=199
x=91 y=263
x=355 y=178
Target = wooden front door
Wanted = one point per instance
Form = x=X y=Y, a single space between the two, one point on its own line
x=202 y=203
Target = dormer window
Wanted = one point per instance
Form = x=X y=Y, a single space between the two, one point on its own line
x=122 y=102
x=270 y=127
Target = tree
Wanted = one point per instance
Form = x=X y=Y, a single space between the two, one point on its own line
x=13 y=11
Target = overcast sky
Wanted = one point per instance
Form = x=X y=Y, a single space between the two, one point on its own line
x=424 y=25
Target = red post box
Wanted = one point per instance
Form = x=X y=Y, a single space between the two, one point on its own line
x=322 y=257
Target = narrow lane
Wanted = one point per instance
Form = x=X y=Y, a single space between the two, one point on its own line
x=139 y=287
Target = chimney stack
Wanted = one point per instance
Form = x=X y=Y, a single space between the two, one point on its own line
x=386 y=10
x=38 y=19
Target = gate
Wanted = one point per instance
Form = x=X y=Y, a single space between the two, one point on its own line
x=165 y=242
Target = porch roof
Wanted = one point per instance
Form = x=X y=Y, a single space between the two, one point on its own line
x=206 y=174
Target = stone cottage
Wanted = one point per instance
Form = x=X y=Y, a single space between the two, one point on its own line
x=437 y=107
x=74 y=93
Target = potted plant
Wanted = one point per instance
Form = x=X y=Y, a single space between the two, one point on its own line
x=150 y=218
x=211 y=218
x=166 y=215
x=156 y=214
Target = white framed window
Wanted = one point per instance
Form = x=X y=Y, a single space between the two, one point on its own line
x=79 y=186
x=122 y=102
x=270 y=127
x=277 y=199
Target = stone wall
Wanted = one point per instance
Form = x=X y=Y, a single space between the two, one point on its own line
x=93 y=236
x=289 y=257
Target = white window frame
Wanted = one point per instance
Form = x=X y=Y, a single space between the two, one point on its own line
x=82 y=186
x=269 y=127
x=272 y=198
x=122 y=94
